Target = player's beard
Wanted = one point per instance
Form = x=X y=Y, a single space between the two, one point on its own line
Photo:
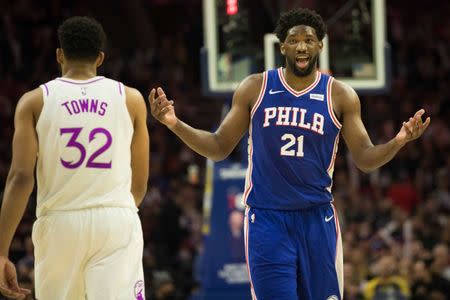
x=303 y=72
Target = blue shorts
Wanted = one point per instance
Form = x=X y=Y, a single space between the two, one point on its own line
x=294 y=255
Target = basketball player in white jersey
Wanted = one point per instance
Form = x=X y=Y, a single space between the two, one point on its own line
x=87 y=136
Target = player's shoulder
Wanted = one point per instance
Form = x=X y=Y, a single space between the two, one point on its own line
x=31 y=102
x=249 y=88
x=343 y=95
x=32 y=98
x=134 y=99
x=132 y=92
x=342 y=89
x=253 y=81
x=33 y=94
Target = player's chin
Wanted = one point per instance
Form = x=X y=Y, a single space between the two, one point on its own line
x=301 y=72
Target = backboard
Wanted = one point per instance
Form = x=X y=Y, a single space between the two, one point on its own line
x=239 y=41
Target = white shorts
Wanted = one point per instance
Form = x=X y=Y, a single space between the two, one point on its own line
x=89 y=254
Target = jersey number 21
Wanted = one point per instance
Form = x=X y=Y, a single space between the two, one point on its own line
x=290 y=148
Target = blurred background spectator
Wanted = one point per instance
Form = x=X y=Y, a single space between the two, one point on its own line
x=395 y=221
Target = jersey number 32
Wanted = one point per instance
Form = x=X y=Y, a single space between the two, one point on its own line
x=91 y=162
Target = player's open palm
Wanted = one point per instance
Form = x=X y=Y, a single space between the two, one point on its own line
x=161 y=108
x=9 y=286
x=413 y=128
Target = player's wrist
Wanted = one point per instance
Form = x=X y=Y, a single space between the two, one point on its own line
x=399 y=142
x=172 y=125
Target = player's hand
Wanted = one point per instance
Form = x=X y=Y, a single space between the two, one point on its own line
x=9 y=286
x=161 y=108
x=413 y=128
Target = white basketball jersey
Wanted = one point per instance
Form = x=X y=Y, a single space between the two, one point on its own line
x=84 y=134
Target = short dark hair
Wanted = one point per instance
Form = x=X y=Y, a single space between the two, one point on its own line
x=300 y=16
x=81 y=38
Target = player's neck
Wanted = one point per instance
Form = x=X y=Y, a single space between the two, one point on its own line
x=299 y=83
x=79 y=71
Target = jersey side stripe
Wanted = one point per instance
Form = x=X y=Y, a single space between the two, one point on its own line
x=260 y=96
x=330 y=104
x=333 y=155
x=330 y=169
x=249 y=183
x=339 y=254
x=246 y=232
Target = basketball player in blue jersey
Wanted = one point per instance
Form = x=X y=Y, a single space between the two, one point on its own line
x=295 y=116
x=87 y=136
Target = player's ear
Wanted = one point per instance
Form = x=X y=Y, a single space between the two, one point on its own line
x=100 y=58
x=282 y=49
x=59 y=55
x=320 y=45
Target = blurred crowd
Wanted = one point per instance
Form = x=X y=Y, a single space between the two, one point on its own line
x=395 y=221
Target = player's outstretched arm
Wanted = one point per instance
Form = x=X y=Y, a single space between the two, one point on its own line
x=219 y=144
x=19 y=185
x=367 y=156
x=139 y=144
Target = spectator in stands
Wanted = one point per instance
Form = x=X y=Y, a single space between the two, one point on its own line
x=387 y=284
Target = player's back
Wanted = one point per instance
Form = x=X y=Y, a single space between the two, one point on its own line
x=84 y=133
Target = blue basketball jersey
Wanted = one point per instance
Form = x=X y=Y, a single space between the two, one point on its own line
x=293 y=140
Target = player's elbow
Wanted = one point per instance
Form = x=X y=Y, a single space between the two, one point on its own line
x=365 y=168
x=221 y=155
x=220 y=149
x=20 y=177
x=218 y=157
x=364 y=164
